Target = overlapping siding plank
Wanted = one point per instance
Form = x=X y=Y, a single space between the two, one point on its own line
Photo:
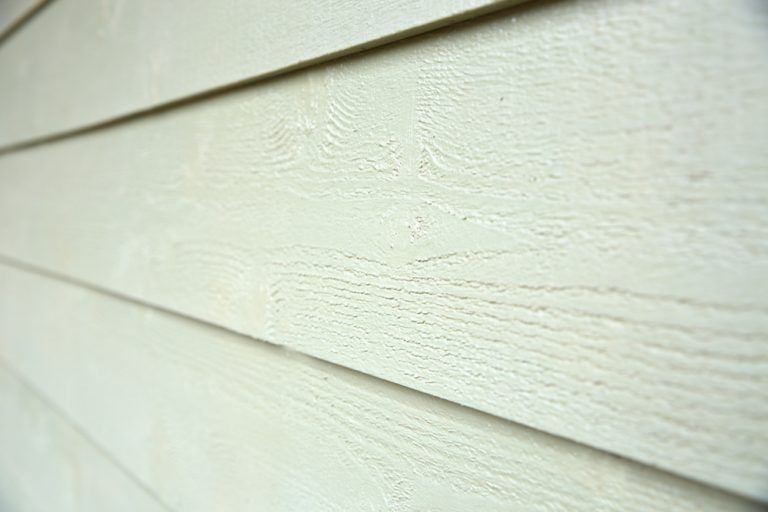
x=556 y=215
x=47 y=464
x=215 y=421
x=83 y=63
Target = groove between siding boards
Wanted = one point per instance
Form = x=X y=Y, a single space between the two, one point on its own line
x=47 y=465
x=77 y=66
x=14 y=13
x=214 y=421
x=500 y=215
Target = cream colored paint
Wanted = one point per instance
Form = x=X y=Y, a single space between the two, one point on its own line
x=557 y=215
x=210 y=420
x=83 y=62
x=46 y=464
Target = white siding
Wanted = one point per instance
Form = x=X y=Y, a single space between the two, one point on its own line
x=517 y=263
x=210 y=420
x=83 y=62
x=47 y=464
x=556 y=215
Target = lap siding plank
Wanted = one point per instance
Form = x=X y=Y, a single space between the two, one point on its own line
x=47 y=465
x=556 y=215
x=81 y=64
x=210 y=420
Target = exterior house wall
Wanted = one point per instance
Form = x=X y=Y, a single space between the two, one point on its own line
x=455 y=256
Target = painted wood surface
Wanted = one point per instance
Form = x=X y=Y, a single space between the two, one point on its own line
x=82 y=63
x=47 y=464
x=215 y=421
x=14 y=12
x=556 y=215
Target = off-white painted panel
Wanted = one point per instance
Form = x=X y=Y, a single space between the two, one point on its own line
x=80 y=63
x=557 y=216
x=215 y=421
x=13 y=12
x=47 y=465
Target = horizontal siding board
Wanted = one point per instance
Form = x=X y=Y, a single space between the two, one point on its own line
x=507 y=215
x=215 y=421
x=47 y=464
x=80 y=64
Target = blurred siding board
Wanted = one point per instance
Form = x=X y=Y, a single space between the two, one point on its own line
x=210 y=420
x=13 y=13
x=556 y=215
x=46 y=464
x=83 y=62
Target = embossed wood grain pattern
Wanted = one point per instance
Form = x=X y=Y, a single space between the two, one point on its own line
x=556 y=215
x=14 y=12
x=215 y=421
x=82 y=62
x=47 y=464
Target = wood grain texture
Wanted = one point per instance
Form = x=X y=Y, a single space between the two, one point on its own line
x=81 y=63
x=215 y=421
x=14 y=12
x=46 y=464
x=556 y=215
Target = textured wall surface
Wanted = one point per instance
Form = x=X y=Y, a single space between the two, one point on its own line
x=214 y=421
x=518 y=263
x=84 y=62
x=503 y=214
